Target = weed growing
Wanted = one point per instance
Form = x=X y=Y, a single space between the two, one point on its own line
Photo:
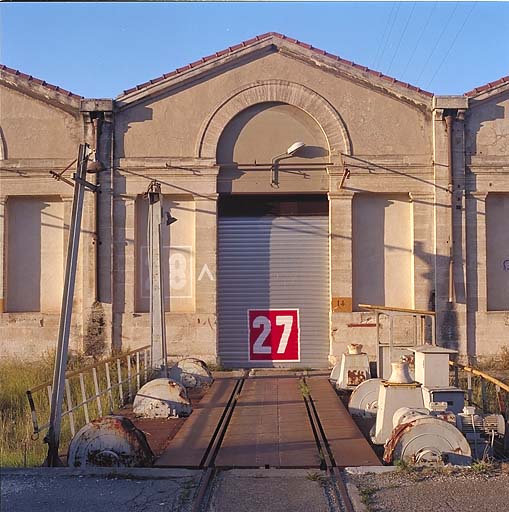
x=17 y=446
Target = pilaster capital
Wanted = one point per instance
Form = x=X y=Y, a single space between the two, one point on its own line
x=480 y=196
x=206 y=197
x=344 y=195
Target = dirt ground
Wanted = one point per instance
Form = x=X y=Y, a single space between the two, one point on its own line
x=480 y=488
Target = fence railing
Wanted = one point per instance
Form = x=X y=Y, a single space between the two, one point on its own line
x=484 y=391
x=93 y=390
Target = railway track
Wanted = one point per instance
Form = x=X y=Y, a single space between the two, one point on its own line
x=334 y=488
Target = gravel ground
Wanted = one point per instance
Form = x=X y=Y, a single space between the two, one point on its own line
x=274 y=490
x=122 y=490
x=444 y=489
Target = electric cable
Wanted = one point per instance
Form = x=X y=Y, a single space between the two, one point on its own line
x=452 y=44
x=394 y=17
x=419 y=39
x=401 y=37
x=438 y=41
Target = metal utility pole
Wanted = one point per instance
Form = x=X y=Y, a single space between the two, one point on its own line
x=80 y=184
x=155 y=247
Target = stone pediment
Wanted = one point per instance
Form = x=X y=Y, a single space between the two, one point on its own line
x=259 y=47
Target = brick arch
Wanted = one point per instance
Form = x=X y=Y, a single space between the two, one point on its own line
x=282 y=91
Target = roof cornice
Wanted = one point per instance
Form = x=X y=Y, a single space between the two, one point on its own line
x=39 y=89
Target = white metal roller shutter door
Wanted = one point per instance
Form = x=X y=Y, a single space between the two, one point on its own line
x=267 y=263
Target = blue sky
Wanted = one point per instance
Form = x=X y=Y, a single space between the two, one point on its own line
x=100 y=49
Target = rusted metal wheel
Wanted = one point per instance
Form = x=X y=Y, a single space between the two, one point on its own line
x=111 y=441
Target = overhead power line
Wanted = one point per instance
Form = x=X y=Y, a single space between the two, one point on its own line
x=401 y=37
x=419 y=39
x=388 y=35
x=438 y=41
x=452 y=44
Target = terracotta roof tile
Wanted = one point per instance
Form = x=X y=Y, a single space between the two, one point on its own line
x=38 y=81
x=243 y=44
x=488 y=86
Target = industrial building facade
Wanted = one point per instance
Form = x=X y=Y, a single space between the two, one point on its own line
x=397 y=198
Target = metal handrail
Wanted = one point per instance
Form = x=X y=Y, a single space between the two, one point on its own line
x=133 y=380
x=501 y=388
x=398 y=310
x=73 y=373
x=387 y=352
x=479 y=373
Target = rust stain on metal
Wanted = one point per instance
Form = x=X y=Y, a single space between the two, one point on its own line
x=356 y=377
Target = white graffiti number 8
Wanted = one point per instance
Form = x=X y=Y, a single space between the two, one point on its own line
x=178 y=266
x=262 y=321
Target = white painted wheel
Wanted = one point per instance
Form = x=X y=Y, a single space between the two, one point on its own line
x=162 y=398
x=364 y=398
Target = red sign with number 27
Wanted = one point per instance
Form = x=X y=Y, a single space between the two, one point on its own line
x=274 y=334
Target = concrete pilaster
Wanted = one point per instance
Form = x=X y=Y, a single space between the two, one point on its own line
x=206 y=254
x=451 y=324
x=475 y=207
x=3 y=245
x=340 y=212
x=423 y=240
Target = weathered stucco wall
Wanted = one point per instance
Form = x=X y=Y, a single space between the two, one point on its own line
x=243 y=110
x=34 y=129
x=41 y=130
x=487 y=167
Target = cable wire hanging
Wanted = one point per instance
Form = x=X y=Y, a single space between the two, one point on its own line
x=446 y=26
x=452 y=44
x=421 y=35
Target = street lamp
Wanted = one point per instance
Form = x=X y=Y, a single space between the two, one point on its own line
x=274 y=180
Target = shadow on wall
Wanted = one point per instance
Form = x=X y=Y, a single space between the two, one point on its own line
x=137 y=114
x=481 y=123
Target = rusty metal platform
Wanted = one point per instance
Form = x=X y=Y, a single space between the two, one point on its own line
x=270 y=427
x=190 y=443
x=349 y=447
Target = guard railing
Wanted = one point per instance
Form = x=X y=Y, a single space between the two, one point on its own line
x=93 y=390
x=486 y=392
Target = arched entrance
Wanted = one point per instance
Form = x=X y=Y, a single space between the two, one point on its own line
x=273 y=291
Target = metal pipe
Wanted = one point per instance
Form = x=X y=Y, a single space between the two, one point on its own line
x=53 y=436
x=97 y=124
x=449 y=127
x=112 y=230
x=157 y=295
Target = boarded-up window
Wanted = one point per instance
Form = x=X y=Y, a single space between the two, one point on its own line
x=497 y=251
x=35 y=254
x=382 y=241
x=177 y=256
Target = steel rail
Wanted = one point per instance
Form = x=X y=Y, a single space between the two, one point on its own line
x=327 y=461
x=207 y=463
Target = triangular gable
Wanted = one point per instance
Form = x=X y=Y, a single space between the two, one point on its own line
x=40 y=89
x=261 y=45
